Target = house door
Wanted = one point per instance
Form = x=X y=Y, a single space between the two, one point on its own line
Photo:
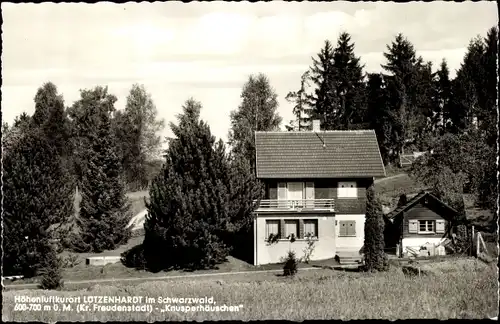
x=309 y=195
x=295 y=193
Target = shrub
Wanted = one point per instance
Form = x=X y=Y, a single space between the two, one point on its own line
x=51 y=272
x=134 y=258
x=70 y=261
x=309 y=249
x=291 y=263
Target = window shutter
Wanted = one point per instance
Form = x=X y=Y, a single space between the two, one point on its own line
x=343 y=229
x=351 y=230
x=413 y=226
x=341 y=190
x=301 y=228
x=440 y=226
x=282 y=229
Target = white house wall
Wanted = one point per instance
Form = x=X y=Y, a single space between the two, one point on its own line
x=350 y=243
x=417 y=242
x=324 y=246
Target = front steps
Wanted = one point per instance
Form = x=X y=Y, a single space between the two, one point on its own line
x=349 y=257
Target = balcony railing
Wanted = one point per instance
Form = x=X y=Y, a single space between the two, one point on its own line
x=296 y=204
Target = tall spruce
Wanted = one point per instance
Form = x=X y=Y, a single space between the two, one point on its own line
x=489 y=92
x=323 y=100
x=51 y=118
x=187 y=213
x=373 y=248
x=443 y=96
x=404 y=68
x=104 y=209
x=301 y=109
x=467 y=87
x=85 y=120
x=379 y=115
x=257 y=112
x=425 y=127
x=349 y=85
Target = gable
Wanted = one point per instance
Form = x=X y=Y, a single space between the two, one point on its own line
x=325 y=154
x=422 y=211
x=422 y=204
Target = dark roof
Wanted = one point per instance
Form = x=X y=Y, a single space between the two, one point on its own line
x=445 y=210
x=345 y=154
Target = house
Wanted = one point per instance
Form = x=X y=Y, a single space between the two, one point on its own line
x=424 y=220
x=315 y=184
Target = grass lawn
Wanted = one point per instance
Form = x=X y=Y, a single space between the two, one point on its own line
x=389 y=190
x=119 y=271
x=460 y=288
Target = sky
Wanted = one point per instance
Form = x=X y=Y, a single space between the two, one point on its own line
x=208 y=50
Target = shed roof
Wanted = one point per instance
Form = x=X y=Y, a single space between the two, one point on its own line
x=445 y=211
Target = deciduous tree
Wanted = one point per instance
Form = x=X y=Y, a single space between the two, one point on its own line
x=257 y=112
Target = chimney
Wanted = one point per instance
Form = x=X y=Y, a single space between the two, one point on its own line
x=316 y=125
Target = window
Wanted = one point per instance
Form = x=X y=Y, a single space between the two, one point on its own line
x=347 y=190
x=295 y=193
x=310 y=227
x=272 y=227
x=291 y=227
x=347 y=228
x=425 y=226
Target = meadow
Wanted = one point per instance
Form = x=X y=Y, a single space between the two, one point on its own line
x=458 y=288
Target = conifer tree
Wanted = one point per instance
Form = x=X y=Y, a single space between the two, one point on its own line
x=467 y=87
x=323 y=100
x=37 y=185
x=373 y=249
x=489 y=93
x=85 y=120
x=188 y=213
x=405 y=72
x=34 y=200
x=349 y=85
x=379 y=115
x=104 y=209
x=443 y=97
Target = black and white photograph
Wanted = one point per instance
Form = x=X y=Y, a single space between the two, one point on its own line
x=214 y=161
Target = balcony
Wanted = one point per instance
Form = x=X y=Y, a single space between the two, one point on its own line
x=268 y=205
